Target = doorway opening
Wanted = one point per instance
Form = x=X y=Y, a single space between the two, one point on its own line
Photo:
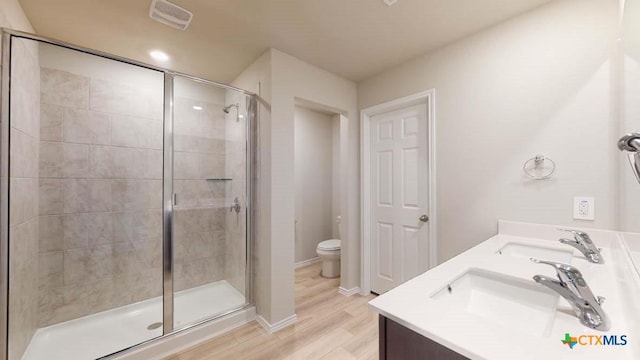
x=317 y=184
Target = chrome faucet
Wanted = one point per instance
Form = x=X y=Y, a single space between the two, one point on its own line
x=583 y=243
x=572 y=286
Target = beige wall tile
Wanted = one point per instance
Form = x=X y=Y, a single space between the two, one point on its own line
x=136 y=132
x=148 y=102
x=25 y=99
x=51 y=159
x=51 y=236
x=86 y=127
x=24 y=200
x=63 y=88
x=100 y=227
x=122 y=226
x=75 y=194
x=25 y=155
x=185 y=166
x=88 y=264
x=198 y=143
x=50 y=267
x=86 y=195
x=211 y=166
x=128 y=163
x=110 y=97
x=50 y=122
x=197 y=192
x=76 y=160
x=154 y=165
x=147 y=224
x=130 y=194
x=23 y=314
x=99 y=195
x=75 y=231
x=50 y=196
x=99 y=296
x=23 y=244
x=100 y=162
x=25 y=109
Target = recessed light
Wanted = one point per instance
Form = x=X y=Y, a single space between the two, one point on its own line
x=241 y=116
x=159 y=55
x=390 y=2
x=196 y=107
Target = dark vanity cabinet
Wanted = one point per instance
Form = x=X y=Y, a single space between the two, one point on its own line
x=400 y=343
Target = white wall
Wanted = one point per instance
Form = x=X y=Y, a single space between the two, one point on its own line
x=285 y=80
x=630 y=113
x=313 y=181
x=294 y=79
x=13 y=17
x=538 y=83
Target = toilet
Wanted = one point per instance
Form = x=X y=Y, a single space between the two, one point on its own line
x=329 y=253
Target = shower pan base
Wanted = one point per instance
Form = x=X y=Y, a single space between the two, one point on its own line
x=101 y=334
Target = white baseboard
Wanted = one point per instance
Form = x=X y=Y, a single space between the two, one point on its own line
x=271 y=328
x=307 y=262
x=348 y=292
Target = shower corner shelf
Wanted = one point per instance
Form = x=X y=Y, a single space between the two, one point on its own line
x=219 y=179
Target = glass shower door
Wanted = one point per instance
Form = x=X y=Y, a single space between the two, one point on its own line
x=210 y=212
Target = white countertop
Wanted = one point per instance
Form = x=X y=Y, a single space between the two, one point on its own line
x=475 y=337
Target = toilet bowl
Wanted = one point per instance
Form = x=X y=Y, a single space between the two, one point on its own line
x=329 y=253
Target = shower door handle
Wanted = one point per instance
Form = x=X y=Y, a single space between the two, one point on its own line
x=236 y=205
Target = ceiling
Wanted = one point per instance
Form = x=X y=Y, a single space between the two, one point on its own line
x=352 y=38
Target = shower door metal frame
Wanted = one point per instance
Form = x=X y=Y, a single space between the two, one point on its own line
x=167 y=191
x=4 y=195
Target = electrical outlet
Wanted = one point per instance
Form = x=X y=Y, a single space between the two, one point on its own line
x=583 y=208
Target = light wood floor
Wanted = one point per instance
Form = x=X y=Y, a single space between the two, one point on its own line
x=329 y=326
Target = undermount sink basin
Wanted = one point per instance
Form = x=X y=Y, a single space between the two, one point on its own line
x=538 y=252
x=502 y=299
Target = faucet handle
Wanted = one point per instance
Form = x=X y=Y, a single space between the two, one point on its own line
x=579 y=235
x=564 y=271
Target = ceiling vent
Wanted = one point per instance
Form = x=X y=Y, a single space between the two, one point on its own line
x=170 y=14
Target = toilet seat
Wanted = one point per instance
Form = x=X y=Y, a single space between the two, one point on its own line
x=329 y=245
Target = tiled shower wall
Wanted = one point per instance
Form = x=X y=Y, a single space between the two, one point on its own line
x=86 y=220
x=100 y=243
x=199 y=159
x=23 y=211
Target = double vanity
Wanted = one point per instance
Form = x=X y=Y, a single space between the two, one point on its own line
x=493 y=302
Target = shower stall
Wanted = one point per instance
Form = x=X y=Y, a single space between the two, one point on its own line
x=125 y=201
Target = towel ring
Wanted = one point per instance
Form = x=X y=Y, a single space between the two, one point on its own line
x=538 y=162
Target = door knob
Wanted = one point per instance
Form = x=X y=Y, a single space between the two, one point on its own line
x=424 y=218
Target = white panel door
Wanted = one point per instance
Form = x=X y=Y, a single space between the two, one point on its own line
x=399 y=197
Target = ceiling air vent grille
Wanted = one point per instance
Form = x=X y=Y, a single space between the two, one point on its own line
x=170 y=14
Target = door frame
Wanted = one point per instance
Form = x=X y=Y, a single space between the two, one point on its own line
x=426 y=98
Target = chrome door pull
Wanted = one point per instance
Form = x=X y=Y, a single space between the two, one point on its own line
x=424 y=218
x=236 y=205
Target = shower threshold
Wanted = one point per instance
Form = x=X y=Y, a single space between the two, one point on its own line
x=101 y=334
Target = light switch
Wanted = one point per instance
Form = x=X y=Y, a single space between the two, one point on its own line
x=583 y=208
